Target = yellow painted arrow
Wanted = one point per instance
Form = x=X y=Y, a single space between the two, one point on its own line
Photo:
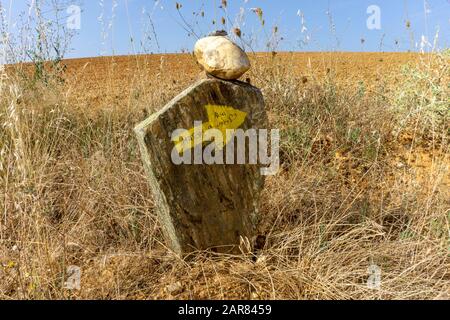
x=222 y=118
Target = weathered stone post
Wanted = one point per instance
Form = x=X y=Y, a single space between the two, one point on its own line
x=205 y=205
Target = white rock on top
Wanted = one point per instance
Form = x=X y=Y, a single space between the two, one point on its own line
x=221 y=57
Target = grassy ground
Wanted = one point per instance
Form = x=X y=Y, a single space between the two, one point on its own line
x=364 y=182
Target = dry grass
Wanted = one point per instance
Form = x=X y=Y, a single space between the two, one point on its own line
x=364 y=181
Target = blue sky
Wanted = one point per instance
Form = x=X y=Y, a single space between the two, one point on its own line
x=327 y=24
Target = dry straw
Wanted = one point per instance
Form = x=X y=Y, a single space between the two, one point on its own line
x=364 y=182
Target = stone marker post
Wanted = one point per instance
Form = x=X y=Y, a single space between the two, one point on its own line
x=204 y=205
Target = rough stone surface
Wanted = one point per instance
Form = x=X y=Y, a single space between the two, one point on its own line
x=216 y=33
x=221 y=57
x=203 y=206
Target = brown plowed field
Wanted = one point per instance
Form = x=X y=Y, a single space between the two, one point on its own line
x=364 y=181
x=96 y=76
